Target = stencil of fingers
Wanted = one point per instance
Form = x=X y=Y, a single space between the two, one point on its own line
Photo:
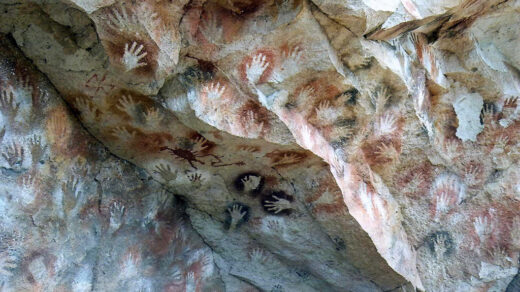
x=133 y=55
x=130 y=267
x=59 y=128
x=379 y=99
x=325 y=113
x=451 y=149
x=294 y=54
x=248 y=148
x=199 y=144
x=440 y=245
x=117 y=211
x=357 y=61
x=510 y=112
x=214 y=90
x=499 y=256
x=162 y=200
x=127 y=104
x=365 y=197
x=510 y=106
x=288 y=158
x=337 y=166
x=500 y=144
x=166 y=172
x=511 y=101
x=415 y=183
x=28 y=181
x=70 y=187
x=256 y=67
x=71 y=194
x=123 y=134
x=387 y=152
x=254 y=128
x=251 y=182
x=505 y=122
x=40 y=100
x=258 y=256
x=291 y=62
x=195 y=177
x=289 y=66
x=206 y=261
x=488 y=116
x=176 y=275
x=7 y=263
x=451 y=185
x=211 y=29
x=81 y=167
x=24 y=89
x=379 y=204
x=442 y=204
x=274 y=225
x=236 y=215
x=87 y=110
x=13 y=154
x=152 y=116
x=24 y=83
x=472 y=175
x=483 y=228
x=121 y=20
x=190 y=282
x=386 y=125
x=8 y=106
x=306 y=94
x=37 y=149
x=278 y=205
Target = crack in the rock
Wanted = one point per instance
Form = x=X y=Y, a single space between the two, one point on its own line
x=184 y=12
x=99 y=189
x=314 y=5
x=243 y=279
x=95 y=270
x=204 y=240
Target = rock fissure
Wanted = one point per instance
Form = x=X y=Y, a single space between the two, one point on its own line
x=293 y=130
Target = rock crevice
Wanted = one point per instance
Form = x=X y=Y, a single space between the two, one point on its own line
x=313 y=146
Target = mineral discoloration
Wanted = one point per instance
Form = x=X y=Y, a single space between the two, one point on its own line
x=383 y=135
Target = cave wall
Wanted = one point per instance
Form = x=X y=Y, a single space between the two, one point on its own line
x=299 y=145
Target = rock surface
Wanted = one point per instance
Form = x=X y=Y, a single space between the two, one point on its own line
x=275 y=145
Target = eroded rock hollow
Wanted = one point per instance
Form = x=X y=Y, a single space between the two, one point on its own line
x=247 y=145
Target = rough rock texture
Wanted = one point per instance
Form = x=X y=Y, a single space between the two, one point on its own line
x=317 y=145
x=77 y=218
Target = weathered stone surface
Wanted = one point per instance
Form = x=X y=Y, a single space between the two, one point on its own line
x=317 y=145
x=74 y=216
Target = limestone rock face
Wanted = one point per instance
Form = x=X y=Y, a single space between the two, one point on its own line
x=274 y=145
